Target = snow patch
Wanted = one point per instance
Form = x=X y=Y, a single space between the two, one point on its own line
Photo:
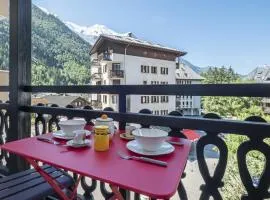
x=45 y=10
x=91 y=33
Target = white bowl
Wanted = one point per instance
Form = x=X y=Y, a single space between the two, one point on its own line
x=69 y=126
x=150 y=139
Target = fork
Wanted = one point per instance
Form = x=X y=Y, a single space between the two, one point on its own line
x=144 y=159
x=49 y=140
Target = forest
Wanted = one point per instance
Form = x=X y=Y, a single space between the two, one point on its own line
x=59 y=56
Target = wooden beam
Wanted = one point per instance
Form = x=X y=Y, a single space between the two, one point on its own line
x=20 y=74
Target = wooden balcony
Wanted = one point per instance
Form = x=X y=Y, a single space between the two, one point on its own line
x=116 y=73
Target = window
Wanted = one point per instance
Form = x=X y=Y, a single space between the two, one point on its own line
x=153 y=69
x=156 y=112
x=163 y=70
x=104 y=68
x=98 y=98
x=105 y=99
x=154 y=99
x=104 y=82
x=116 y=82
x=114 y=99
x=164 y=112
x=147 y=99
x=164 y=99
x=145 y=82
x=144 y=99
x=144 y=69
x=116 y=67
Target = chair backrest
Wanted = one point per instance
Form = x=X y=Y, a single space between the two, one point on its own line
x=108 y=109
x=145 y=111
x=176 y=132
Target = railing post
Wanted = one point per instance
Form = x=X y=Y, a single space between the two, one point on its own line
x=20 y=75
x=122 y=108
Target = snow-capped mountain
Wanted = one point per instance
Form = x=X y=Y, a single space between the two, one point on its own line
x=91 y=33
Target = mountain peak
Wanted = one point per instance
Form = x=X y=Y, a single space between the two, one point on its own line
x=91 y=33
x=46 y=11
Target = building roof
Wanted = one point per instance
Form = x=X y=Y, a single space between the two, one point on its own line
x=61 y=101
x=185 y=72
x=37 y=100
x=132 y=40
x=260 y=74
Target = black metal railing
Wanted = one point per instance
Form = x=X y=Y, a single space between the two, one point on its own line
x=213 y=125
x=256 y=131
x=116 y=73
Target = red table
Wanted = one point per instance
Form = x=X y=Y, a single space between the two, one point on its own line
x=143 y=178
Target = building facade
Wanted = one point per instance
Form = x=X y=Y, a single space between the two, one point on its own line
x=262 y=75
x=118 y=60
x=187 y=105
x=4 y=81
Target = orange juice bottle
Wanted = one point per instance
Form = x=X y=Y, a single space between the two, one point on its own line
x=101 y=138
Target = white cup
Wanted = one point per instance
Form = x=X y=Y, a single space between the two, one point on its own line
x=80 y=136
x=129 y=129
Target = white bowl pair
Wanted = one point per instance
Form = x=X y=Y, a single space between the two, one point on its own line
x=69 y=126
x=150 y=139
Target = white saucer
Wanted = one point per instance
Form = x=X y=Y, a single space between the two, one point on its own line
x=166 y=148
x=71 y=143
x=61 y=135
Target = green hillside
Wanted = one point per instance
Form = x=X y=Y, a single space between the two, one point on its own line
x=59 y=55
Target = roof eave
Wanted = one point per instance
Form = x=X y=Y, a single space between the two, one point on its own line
x=102 y=37
x=92 y=50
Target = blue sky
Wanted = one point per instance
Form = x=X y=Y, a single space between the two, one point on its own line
x=214 y=33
